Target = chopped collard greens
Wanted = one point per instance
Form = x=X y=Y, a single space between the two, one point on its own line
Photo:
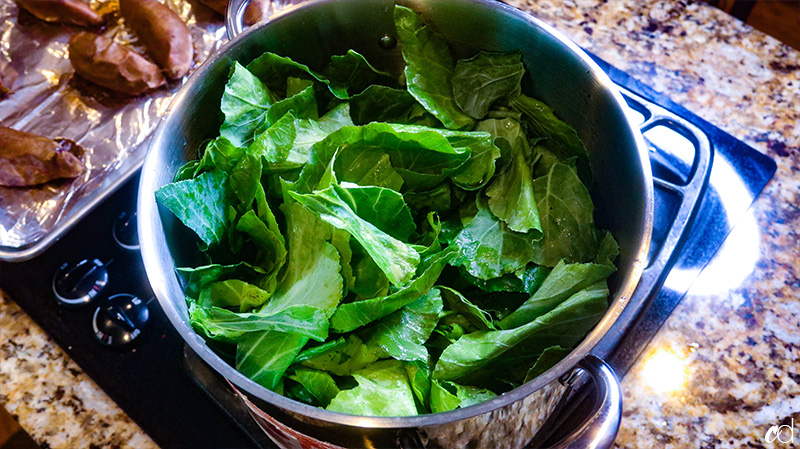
x=383 y=246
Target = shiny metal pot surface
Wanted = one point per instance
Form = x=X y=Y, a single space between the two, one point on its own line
x=562 y=76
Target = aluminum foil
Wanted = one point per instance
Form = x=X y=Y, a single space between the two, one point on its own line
x=48 y=99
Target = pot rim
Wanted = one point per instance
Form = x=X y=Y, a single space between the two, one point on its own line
x=149 y=221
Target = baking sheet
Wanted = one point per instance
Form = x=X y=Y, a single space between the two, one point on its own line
x=48 y=99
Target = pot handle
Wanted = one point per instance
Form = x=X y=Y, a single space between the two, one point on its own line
x=234 y=17
x=599 y=430
x=235 y=12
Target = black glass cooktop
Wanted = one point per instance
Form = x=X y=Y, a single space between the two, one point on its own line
x=705 y=181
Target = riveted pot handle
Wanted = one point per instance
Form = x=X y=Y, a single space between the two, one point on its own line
x=234 y=17
x=600 y=429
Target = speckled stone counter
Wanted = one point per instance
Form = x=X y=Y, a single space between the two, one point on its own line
x=724 y=367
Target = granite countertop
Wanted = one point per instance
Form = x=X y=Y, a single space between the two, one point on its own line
x=724 y=367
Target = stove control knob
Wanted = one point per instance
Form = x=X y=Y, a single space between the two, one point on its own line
x=124 y=231
x=119 y=320
x=78 y=284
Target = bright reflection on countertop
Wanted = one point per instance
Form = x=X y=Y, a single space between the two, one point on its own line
x=665 y=371
x=737 y=257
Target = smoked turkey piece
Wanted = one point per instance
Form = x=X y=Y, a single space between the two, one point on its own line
x=28 y=159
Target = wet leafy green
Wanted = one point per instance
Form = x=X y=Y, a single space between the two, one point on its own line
x=390 y=246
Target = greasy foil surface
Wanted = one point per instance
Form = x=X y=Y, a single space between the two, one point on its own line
x=48 y=99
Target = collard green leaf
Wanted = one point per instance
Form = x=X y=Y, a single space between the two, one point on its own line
x=275 y=70
x=196 y=279
x=264 y=356
x=419 y=377
x=370 y=280
x=429 y=68
x=382 y=390
x=303 y=320
x=457 y=302
x=245 y=103
x=266 y=241
x=353 y=315
x=382 y=104
x=562 y=139
x=220 y=154
x=233 y=293
x=302 y=105
x=566 y=213
x=371 y=167
x=245 y=182
x=447 y=396
x=318 y=383
x=546 y=360
x=488 y=249
x=565 y=325
x=341 y=359
x=352 y=73
x=511 y=197
x=413 y=151
x=286 y=144
x=384 y=208
x=402 y=333
x=480 y=167
x=396 y=259
x=486 y=77
x=200 y=203
x=312 y=273
x=564 y=281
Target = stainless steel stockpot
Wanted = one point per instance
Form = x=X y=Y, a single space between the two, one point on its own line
x=561 y=75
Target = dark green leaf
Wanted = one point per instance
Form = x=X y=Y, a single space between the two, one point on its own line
x=245 y=103
x=488 y=249
x=564 y=281
x=481 y=80
x=546 y=360
x=402 y=333
x=382 y=390
x=341 y=359
x=457 y=302
x=562 y=139
x=429 y=68
x=395 y=258
x=352 y=73
x=319 y=383
x=200 y=203
x=303 y=320
x=264 y=356
x=566 y=213
x=565 y=325
x=352 y=315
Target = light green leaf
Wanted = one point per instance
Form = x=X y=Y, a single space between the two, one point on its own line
x=382 y=390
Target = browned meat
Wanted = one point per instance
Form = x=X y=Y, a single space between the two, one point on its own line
x=111 y=65
x=74 y=12
x=217 y=5
x=255 y=12
x=163 y=33
x=28 y=159
x=4 y=90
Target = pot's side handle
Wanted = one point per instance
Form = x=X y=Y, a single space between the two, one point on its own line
x=234 y=17
x=600 y=429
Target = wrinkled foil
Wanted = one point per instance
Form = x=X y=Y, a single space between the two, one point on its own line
x=48 y=99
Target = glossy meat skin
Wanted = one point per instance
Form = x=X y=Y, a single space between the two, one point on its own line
x=28 y=159
x=74 y=12
x=111 y=65
x=163 y=33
